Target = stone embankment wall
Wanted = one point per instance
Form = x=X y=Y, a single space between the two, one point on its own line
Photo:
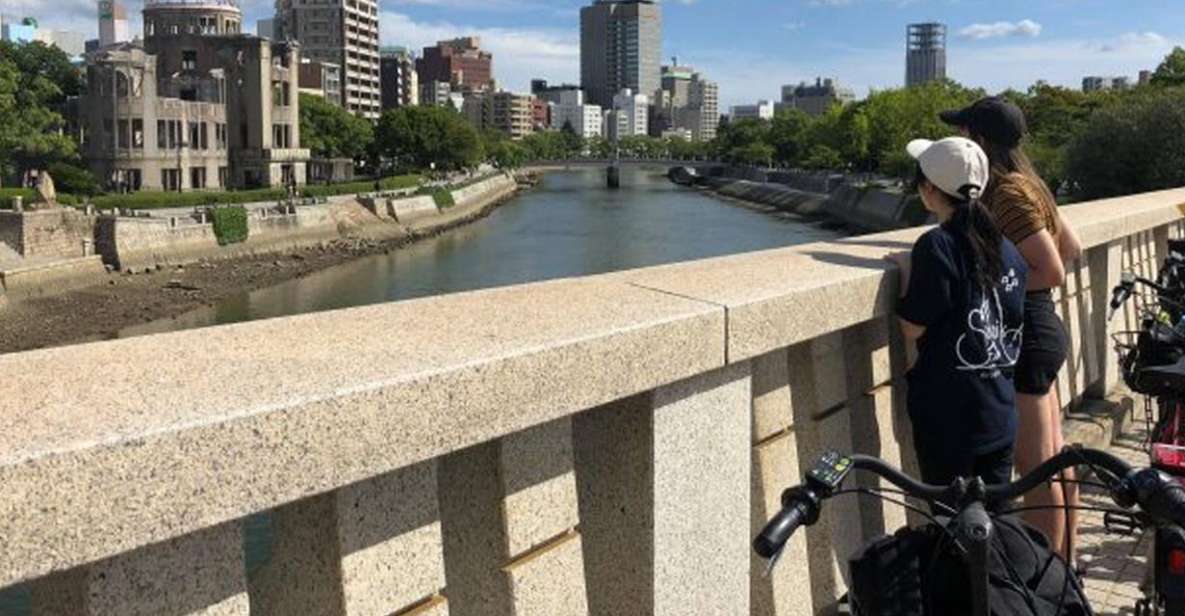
x=59 y=232
x=48 y=278
x=131 y=243
x=864 y=209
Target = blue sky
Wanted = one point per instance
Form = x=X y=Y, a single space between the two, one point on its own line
x=753 y=46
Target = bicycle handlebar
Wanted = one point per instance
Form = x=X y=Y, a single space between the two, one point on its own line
x=1155 y=493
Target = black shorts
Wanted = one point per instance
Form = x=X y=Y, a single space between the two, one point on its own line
x=1044 y=346
x=941 y=466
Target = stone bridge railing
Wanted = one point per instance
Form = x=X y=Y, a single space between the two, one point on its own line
x=602 y=445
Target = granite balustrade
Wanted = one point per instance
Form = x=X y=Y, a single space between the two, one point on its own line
x=601 y=445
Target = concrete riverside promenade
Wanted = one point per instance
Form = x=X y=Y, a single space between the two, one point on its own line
x=603 y=445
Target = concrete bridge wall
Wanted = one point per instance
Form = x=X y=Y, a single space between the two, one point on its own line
x=602 y=445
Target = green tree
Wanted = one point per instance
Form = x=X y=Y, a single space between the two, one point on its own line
x=31 y=132
x=788 y=136
x=332 y=132
x=897 y=116
x=418 y=138
x=1136 y=144
x=758 y=154
x=573 y=144
x=73 y=179
x=736 y=141
x=1171 y=71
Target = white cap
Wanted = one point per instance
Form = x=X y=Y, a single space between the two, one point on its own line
x=953 y=164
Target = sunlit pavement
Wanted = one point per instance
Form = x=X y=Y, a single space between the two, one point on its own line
x=1115 y=564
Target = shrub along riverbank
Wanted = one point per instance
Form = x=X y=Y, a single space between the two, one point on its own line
x=148 y=200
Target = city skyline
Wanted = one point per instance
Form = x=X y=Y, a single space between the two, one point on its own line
x=1000 y=44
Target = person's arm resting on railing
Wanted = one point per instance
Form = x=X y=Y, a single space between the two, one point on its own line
x=926 y=276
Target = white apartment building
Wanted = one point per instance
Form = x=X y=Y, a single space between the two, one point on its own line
x=586 y=120
x=342 y=32
x=631 y=114
x=763 y=110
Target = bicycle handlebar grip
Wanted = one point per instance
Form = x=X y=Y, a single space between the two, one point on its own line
x=1161 y=496
x=778 y=531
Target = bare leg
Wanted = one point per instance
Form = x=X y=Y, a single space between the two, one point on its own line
x=1070 y=489
x=1034 y=445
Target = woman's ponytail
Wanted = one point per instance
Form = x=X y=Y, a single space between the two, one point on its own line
x=975 y=224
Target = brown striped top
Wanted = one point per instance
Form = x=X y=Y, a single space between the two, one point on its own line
x=1021 y=208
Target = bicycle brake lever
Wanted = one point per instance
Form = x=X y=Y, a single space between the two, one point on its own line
x=773 y=562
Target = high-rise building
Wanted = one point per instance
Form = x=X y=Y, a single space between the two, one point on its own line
x=322 y=79
x=925 y=55
x=113 y=23
x=197 y=105
x=571 y=110
x=437 y=94
x=27 y=30
x=551 y=93
x=815 y=99
x=620 y=48
x=342 y=32
x=630 y=115
x=688 y=104
x=763 y=110
x=459 y=62
x=510 y=113
x=1096 y=84
x=266 y=28
x=401 y=84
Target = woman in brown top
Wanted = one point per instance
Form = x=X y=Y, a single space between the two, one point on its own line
x=1027 y=214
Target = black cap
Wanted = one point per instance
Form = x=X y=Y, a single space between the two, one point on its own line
x=993 y=117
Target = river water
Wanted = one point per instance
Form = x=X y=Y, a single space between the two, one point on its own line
x=570 y=225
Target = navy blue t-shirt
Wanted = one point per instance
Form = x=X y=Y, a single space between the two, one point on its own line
x=961 y=394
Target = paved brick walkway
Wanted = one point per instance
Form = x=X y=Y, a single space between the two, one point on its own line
x=1115 y=565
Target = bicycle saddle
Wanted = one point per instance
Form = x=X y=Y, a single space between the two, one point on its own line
x=1164 y=380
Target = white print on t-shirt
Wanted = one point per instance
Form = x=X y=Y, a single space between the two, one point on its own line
x=1001 y=345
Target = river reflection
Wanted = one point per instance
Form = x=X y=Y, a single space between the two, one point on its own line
x=570 y=225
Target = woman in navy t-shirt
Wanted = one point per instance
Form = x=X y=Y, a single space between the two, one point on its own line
x=963 y=302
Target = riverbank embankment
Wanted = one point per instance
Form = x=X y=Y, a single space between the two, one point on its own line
x=861 y=206
x=170 y=274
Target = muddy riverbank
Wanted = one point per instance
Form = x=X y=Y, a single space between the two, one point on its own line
x=123 y=299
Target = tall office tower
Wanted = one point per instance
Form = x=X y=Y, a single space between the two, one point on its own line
x=459 y=62
x=342 y=32
x=401 y=85
x=266 y=28
x=113 y=23
x=925 y=56
x=620 y=49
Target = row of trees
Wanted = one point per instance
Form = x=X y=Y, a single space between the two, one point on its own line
x=1087 y=145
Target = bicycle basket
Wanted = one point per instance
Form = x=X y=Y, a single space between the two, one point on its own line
x=916 y=573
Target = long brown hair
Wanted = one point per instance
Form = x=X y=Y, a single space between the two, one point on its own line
x=1005 y=160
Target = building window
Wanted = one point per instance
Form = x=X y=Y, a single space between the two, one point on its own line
x=189 y=60
x=223 y=176
x=123 y=134
x=162 y=134
x=197 y=177
x=138 y=134
x=195 y=136
x=170 y=179
x=205 y=143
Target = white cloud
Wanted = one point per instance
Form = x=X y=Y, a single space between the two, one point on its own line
x=1000 y=29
